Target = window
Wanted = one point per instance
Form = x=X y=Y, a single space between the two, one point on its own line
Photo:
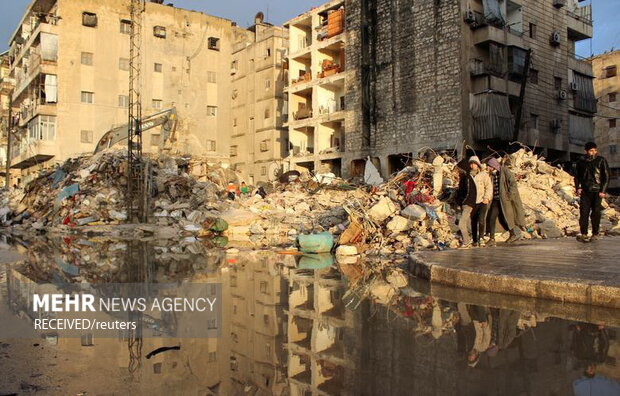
x=123 y=64
x=534 y=76
x=125 y=26
x=158 y=68
x=267 y=84
x=534 y=121
x=532 y=31
x=268 y=52
x=42 y=128
x=613 y=149
x=611 y=97
x=264 y=145
x=263 y=287
x=612 y=123
x=610 y=71
x=123 y=101
x=557 y=82
x=211 y=111
x=212 y=357
x=88 y=97
x=267 y=113
x=212 y=77
x=266 y=320
x=210 y=145
x=233 y=151
x=234 y=122
x=234 y=67
x=263 y=171
x=155 y=140
x=159 y=31
x=86 y=136
x=157 y=104
x=89 y=19
x=87 y=58
x=214 y=43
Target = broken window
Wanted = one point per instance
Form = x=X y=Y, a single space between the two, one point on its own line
x=613 y=149
x=610 y=71
x=123 y=101
x=211 y=111
x=557 y=82
x=157 y=104
x=158 y=68
x=88 y=97
x=87 y=58
x=159 y=31
x=612 y=123
x=125 y=26
x=233 y=151
x=89 y=19
x=611 y=97
x=534 y=76
x=86 y=136
x=214 y=43
x=123 y=64
x=534 y=121
x=532 y=31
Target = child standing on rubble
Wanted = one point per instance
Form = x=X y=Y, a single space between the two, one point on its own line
x=475 y=191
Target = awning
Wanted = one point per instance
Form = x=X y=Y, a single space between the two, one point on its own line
x=492 y=117
x=580 y=129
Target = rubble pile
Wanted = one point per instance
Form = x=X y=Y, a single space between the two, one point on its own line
x=91 y=191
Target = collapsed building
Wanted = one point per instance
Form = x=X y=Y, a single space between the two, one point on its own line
x=386 y=79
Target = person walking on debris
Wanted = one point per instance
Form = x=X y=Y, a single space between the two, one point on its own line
x=591 y=183
x=506 y=206
x=231 y=191
x=476 y=191
x=245 y=190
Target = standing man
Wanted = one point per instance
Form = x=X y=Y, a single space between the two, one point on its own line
x=476 y=191
x=591 y=183
x=506 y=205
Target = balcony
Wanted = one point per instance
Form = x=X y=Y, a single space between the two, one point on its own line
x=579 y=23
x=580 y=66
x=495 y=84
x=506 y=37
x=33 y=152
x=6 y=85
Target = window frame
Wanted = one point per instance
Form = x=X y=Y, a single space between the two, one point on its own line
x=124 y=23
x=89 y=94
x=89 y=55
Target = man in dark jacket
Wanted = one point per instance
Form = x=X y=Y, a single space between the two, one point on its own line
x=591 y=183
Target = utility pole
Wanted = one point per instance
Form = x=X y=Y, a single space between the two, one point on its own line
x=136 y=211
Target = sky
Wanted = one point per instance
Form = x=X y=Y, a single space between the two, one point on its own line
x=606 y=15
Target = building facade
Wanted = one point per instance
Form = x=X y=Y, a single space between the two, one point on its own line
x=607 y=122
x=258 y=137
x=70 y=62
x=6 y=87
x=416 y=75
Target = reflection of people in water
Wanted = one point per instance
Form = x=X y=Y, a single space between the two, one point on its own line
x=595 y=385
x=590 y=342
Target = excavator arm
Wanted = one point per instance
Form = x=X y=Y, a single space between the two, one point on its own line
x=167 y=119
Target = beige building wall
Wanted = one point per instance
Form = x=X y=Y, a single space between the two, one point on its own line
x=607 y=122
x=186 y=66
x=258 y=138
x=6 y=86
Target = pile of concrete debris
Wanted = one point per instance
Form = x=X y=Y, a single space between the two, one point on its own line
x=91 y=191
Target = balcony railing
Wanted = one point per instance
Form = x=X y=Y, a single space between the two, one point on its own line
x=583 y=14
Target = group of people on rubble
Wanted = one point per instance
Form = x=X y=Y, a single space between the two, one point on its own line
x=488 y=196
x=233 y=192
x=491 y=196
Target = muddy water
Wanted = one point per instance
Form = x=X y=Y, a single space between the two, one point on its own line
x=294 y=326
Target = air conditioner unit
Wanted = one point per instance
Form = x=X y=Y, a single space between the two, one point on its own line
x=470 y=17
x=573 y=86
x=559 y=3
x=562 y=94
x=556 y=38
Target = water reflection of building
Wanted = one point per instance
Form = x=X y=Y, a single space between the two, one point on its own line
x=321 y=359
x=257 y=328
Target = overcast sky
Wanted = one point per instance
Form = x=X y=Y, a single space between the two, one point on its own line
x=606 y=17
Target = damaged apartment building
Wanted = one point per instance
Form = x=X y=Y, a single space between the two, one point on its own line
x=387 y=79
x=258 y=136
x=70 y=63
